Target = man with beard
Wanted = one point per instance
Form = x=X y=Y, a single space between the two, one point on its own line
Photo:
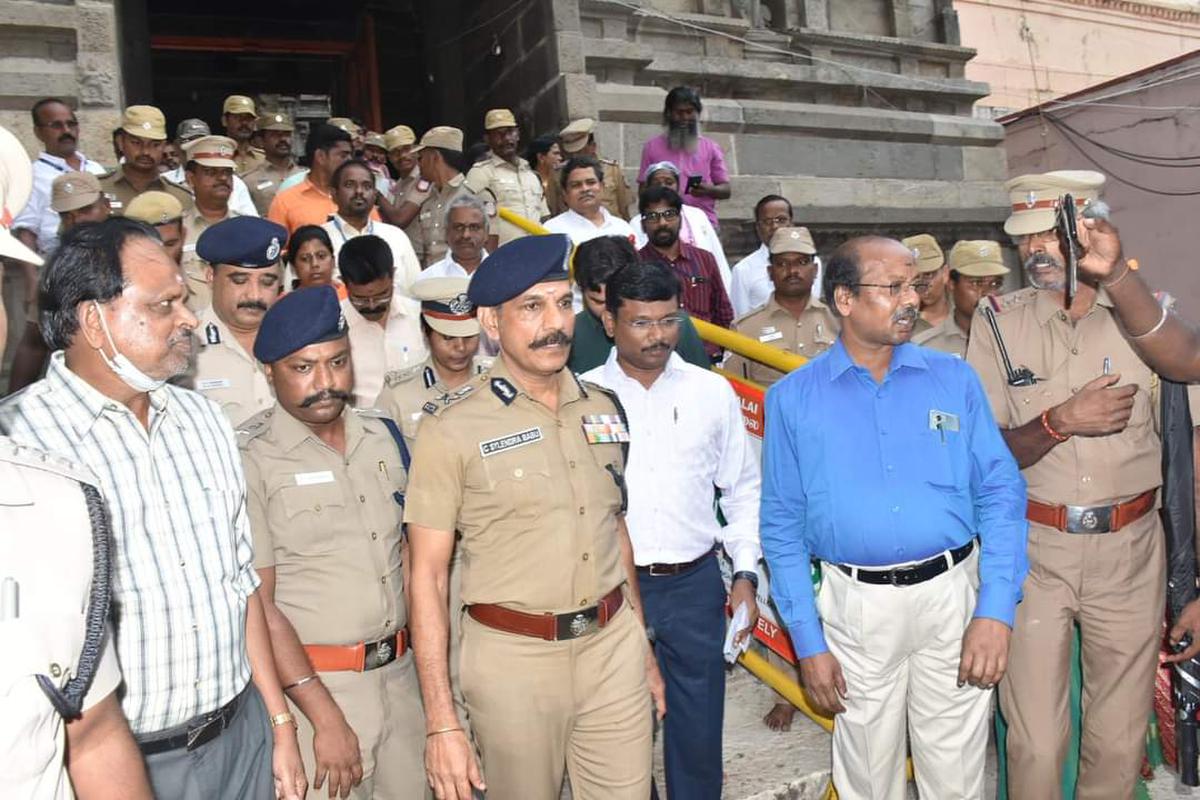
x=932 y=279
x=277 y=165
x=703 y=292
x=694 y=228
x=56 y=127
x=239 y=115
x=915 y=508
x=140 y=139
x=700 y=160
x=246 y=277
x=1084 y=435
x=504 y=178
x=385 y=327
x=976 y=270
x=688 y=447
x=529 y=468
x=325 y=486
x=354 y=193
x=793 y=320
x=582 y=182
x=190 y=636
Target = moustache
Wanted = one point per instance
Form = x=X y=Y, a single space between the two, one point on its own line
x=66 y=137
x=1042 y=261
x=371 y=311
x=326 y=394
x=656 y=348
x=906 y=314
x=551 y=339
x=257 y=305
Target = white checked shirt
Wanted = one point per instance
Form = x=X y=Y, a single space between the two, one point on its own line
x=183 y=561
x=686 y=436
x=38 y=216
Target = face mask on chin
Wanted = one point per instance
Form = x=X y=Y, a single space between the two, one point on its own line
x=124 y=369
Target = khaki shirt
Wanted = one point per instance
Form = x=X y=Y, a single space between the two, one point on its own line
x=517 y=188
x=263 y=181
x=427 y=231
x=120 y=191
x=537 y=506
x=46 y=553
x=248 y=159
x=812 y=334
x=328 y=523
x=1084 y=470
x=225 y=373
x=945 y=336
x=407 y=391
x=195 y=269
x=616 y=195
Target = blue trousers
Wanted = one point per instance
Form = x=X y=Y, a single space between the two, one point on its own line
x=687 y=615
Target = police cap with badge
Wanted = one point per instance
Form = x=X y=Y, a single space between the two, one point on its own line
x=300 y=318
x=246 y=242
x=518 y=265
x=445 y=306
x=930 y=257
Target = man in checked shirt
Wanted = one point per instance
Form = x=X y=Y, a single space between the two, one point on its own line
x=190 y=630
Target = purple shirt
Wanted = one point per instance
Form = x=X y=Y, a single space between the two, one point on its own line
x=706 y=160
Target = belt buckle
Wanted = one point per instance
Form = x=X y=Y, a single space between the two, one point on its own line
x=1089 y=519
x=577 y=624
x=380 y=654
x=660 y=570
x=205 y=732
x=898 y=577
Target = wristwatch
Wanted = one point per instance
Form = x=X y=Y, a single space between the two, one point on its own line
x=746 y=574
x=285 y=718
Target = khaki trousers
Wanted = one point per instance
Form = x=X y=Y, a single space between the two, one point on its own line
x=1112 y=584
x=383 y=708
x=899 y=647
x=537 y=706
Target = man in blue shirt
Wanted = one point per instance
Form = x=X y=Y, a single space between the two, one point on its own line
x=890 y=491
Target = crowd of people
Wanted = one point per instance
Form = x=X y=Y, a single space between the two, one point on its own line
x=341 y=476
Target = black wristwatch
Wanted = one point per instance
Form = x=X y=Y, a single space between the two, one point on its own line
x=749 y=575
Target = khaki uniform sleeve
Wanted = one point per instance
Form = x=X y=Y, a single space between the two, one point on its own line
x=985 y=358
x=623 y=193
x=435 y=482
x=256 y=510
x=478 y=179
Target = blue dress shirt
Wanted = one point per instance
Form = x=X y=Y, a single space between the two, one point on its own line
x=856 y=472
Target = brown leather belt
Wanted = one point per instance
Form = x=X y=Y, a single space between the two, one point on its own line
x=360 y=657
x=659 y=570
x=1091 y=519
x=551 y=627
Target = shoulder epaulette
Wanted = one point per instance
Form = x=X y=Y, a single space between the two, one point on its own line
x=402 y=375
x=1007 y=302
x=456 y=396
x=748 y=315
x=36 y=458
x=254 y=427
x=372 y=413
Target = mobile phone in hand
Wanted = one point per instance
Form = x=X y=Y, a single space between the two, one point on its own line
x=692 y=182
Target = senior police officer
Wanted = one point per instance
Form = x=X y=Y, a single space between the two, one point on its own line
x=579 y=139
x=504 y=178
x=265 y=178
x=140 y=139
x=976 y=270
x=61 y=726
x=246 y=276
x=325 y=489
x=549 y=586
x=210 y=170
x=793 y=319
x=931 y=281
x=1081 y=424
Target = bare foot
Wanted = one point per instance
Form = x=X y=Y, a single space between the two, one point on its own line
x=779 y=718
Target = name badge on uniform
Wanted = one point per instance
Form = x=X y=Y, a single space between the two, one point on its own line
x=208 y=384
x=263 y=184
x=771 y=337
x=189 y=248
x=313 y=478
x=510 y=442
x=604 y=428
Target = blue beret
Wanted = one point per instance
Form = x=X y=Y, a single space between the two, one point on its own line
x=516 y=266
x=296 y=320
x=248 y=242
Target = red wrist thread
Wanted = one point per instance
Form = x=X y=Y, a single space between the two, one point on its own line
x=1055 y=435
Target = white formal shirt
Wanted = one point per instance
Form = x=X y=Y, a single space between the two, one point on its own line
x=378 y=349
x=38 y=216
x=686 y=437
x=581 y=229
x=239 y=202
x=447 y=267
x=183 y=559
x=407 y=266
x=696 y=230
x=752 y=285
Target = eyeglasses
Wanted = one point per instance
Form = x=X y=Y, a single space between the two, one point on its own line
x=655 y=216
x=669 y=323
x=984 y=284
x=358 y=301
x=897 y=288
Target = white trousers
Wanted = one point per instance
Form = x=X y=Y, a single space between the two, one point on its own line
x=899 y=648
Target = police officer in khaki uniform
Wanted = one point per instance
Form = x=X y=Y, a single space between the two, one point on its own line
x=264 y=179
x=239 y=115
x=1081 y=424
x=246 y=277
x=794 y=319
x=77 y=197
x=61 y=725
x=577 y=139
x=209 y=169
x=976 y=270
x=439 y=157
x=164 y=213
x=932 y=274
x=528 y=468
x=325 y=489
x=506 y=179
x=399 y=141
x=141 y=138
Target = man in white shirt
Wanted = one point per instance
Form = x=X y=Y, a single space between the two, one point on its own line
x=466 y=233
x=582 y=181
x=752 y=285
x=385 y=322
x=687 y=437
x=353 y=186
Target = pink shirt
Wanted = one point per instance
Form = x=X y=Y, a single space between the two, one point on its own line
x=707 y=161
